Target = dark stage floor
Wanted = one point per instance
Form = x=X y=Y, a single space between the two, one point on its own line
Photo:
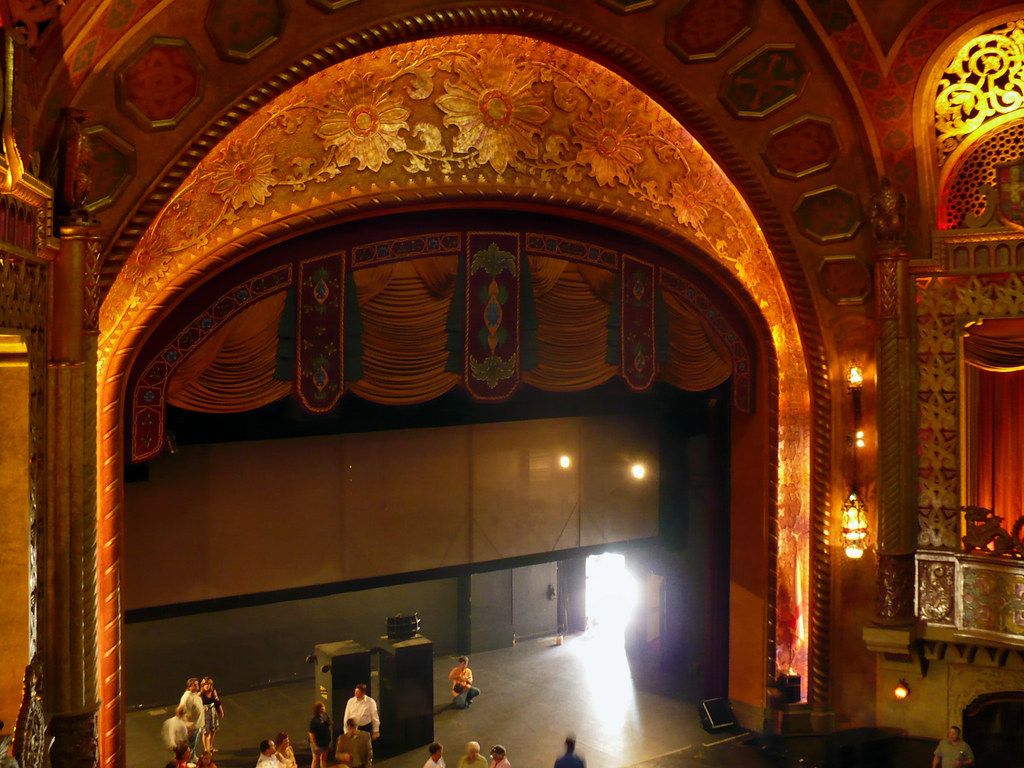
x=533 y=694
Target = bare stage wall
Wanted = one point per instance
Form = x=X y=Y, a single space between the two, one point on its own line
x=229 y=519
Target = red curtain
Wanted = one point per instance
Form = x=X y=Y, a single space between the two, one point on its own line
x=1001 y=443
x=994 y=398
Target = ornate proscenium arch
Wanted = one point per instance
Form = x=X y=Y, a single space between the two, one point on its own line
x=469 y=117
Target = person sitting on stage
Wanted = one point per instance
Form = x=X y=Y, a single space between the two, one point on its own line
x=462 y=684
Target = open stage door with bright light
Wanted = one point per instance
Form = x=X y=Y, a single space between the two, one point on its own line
x=611 y=594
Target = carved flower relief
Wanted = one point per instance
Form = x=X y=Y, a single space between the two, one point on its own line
x=243 y=175
x=495 y=109
x=148 y=262
x=688 y=201
x=610 y=143
x=364 y=130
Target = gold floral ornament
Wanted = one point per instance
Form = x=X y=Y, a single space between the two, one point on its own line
x=689 y=202
x=610 y=143
x=243 y=175
x=496 y=110
x=363 y=130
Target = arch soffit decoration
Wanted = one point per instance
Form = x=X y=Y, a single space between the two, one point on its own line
x=936 y=173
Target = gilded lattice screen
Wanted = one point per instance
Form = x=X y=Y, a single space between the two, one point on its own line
x=984 y=82
x=943 y=306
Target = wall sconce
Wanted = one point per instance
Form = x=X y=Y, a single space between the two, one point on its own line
x=854 y=377
x=854 y=515
x=855 y=525
x=902 y=690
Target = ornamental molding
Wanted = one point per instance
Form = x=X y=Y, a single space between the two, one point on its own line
x=982 y=84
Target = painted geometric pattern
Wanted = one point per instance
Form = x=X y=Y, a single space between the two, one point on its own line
x=943 y=305
x=828 y=215
x=993 y=600
x=149 y=399
x=113 y=161
x=703 y=30
x=763 y=83
x=161 y=84
x=384 y=251
x=587 y=253
x=240 y=29
x=802 y=148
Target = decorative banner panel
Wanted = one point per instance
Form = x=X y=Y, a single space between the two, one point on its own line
x=320 y=312
x=637 y=318
x=149 y=400
x=492 y=370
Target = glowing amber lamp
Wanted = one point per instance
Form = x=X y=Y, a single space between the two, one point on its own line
x=855 y=525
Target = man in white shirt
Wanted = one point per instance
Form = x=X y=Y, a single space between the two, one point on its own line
x=268 y=755
x=175 y=729
x=435 y=760
x=363 y=710
x=193 y=704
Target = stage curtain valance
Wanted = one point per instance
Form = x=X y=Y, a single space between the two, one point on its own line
x=698 y=359
x=572 y=332
x=233 y=370
x=404 y=309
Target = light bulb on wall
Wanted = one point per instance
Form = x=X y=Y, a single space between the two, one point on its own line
x=902 y=690
x=639 y=471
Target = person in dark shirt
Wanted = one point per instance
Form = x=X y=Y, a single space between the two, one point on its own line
x=570 y=759
x=320 y=735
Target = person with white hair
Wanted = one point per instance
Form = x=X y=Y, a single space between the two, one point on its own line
x=473 y=758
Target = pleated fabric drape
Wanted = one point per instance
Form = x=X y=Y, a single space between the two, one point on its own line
x=572 y=333
x=402 y=311
x=698 y=360
x=404 y=308
x=233 y=370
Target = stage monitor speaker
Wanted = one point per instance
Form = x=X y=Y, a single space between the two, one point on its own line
x=716 y=714
x=406 y=695
x=339 y=668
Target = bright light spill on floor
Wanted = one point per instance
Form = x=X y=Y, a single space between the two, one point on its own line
x=611 y=597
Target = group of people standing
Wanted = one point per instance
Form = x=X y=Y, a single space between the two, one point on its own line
x=354 y=746
x=499 y=757
x=189 y=734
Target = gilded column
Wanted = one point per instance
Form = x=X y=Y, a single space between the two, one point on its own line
x=897 y=460
x=70 y=649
